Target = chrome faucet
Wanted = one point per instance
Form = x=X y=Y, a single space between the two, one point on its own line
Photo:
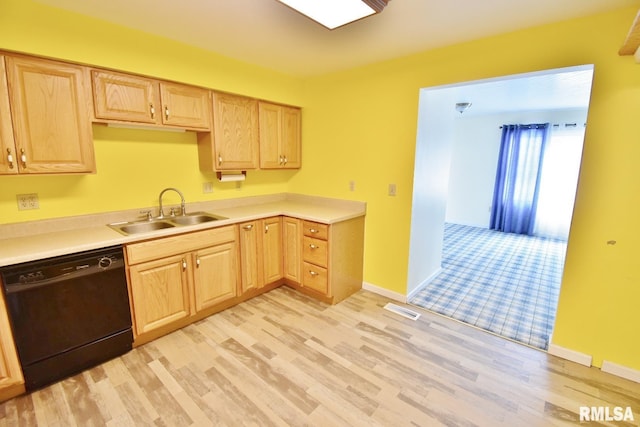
x=183 y=209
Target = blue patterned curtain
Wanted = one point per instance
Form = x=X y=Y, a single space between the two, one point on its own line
x=517 y=185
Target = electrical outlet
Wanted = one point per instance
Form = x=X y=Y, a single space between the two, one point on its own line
x=392 y=189
x=207 y=187
x=352 y=186
x=28 y=201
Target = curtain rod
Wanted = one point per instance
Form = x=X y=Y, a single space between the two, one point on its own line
x=567 y=125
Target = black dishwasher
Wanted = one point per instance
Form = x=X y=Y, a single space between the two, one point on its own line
x=68 y=313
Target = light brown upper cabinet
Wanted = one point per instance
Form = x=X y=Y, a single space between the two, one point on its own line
x=233 y=144
x=128 y=98
x=7 y=145
x=50 y=103
x=279 y=136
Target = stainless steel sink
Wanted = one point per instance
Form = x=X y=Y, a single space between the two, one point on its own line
x=127 y=228
x=145 y=226
x=194 y=218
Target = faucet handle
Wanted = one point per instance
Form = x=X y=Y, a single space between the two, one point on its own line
x=172 y=212
x=147 y=213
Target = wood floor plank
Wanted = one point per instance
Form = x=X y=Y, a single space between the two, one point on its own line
x=283 y=359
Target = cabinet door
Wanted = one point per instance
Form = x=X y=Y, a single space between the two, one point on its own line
x=215 y=275
x=291 y=145
x=250 y=257
x=125 y=98
x=272 y=249
x=235 y=132
x=10 y=372
x=8 y=160
x=160 y=292
x=279 y=136
x=270 y=136
x=51 y=120
x=185 y=106
x=292 y=236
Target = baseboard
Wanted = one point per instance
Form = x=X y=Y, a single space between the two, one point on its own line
x=574 y=356
x=396 y=296
x=621 y=371
x=423 y=284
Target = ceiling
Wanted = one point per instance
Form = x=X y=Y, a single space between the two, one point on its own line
x=559 y=89
x=269 y=34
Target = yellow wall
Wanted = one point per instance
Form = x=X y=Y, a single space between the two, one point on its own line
x=360 y=125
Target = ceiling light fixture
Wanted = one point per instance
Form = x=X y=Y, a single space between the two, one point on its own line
x=461 y=107
x=336 y=13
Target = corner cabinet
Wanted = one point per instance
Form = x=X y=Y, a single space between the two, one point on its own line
x=50 y=104
x=123 y=97
x=280 y=128
x=292 y=249
x=233 y=142
x=261 y=253
x=175 y=280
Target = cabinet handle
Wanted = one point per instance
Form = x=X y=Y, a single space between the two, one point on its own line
x=197 y=261
x=23 y=158
x=285 y=160
x=312 y=246
x=281 y=160
x=313 y=230
x=184 y=264
x=152 y=111
x=247 y=227
x=166 y=112
x=313 y=273
x=219 y=159
x=266 y=228
x=10 y=158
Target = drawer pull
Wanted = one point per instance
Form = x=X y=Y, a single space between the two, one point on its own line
x=247 y=227
x=313 y=273
x=313 y=230
x=312 y=246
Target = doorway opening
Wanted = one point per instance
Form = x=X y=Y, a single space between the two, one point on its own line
x=454 y=182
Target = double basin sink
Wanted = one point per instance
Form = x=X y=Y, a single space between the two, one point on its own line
x=154 y=224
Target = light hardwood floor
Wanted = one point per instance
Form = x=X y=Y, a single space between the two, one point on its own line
x=283 y=359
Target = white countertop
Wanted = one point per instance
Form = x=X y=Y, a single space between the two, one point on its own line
x=22 y=242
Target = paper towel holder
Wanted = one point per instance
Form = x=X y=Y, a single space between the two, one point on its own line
x=231 y=176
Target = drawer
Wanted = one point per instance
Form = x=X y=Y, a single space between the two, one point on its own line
x=315 y=229
x=168 y=246
x=315 y=277
x=315 y=251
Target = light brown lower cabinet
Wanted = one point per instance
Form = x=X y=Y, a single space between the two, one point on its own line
x=291 y=248
x=271 y=237
x=176 y=280
x=332 y=259
x=261 y=253
x=11 y=380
